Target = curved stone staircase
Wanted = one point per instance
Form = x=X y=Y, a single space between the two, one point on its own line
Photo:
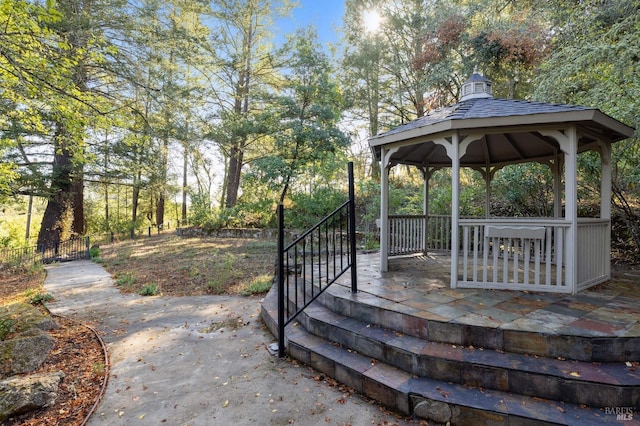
x=461 y=373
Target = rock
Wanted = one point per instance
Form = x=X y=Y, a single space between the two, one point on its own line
x=25 y=345
x=26 y=316
x=25 y=352
x=20 y=395
x=428 y=409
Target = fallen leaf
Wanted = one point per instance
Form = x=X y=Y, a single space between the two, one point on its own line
x=226 y=404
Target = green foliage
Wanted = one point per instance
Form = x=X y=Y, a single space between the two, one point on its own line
x=151 y=289
x=98 y=368
x=94 y=252
x=201 y=213
x=302 y=120
x=6 y=327
x=216 y=286
x=258 y=285
x=523 y=190
x=37 y=298
x=126 y=280
x=308 y=209
x=596 y=63
x=11 y=234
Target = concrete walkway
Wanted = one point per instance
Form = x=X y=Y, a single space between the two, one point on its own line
x=196 y=360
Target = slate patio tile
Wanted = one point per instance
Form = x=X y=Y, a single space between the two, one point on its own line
x=447 y=311
x=594 y=325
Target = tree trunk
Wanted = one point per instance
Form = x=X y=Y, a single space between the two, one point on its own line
x=58 y=215
x=135 y=195
x=77 y=192
x=184 y=182
x=233 y=183
x=160 y=209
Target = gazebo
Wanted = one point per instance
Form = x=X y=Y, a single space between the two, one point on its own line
x=563 y=253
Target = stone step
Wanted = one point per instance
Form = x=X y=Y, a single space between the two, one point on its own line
x=433 y=400
x=592 y=384
x=449 y=382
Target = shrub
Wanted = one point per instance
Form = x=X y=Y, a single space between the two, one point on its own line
x=151 y=289
x=126 y=280
x=94 y=252
x=40 y=298
x=259 y=285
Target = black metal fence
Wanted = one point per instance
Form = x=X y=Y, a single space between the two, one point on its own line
x=75 y=248
x=315 y=260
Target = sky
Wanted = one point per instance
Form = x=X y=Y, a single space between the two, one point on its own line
x=325 y=15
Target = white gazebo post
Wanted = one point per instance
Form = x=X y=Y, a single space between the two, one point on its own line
x=605 y=196
x=569 y=145
x=571 y=208
x=426 y=176
x=384 y=207
x=455 y=206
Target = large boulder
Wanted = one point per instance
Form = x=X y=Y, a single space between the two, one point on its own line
x=25 y=352
x=23 y=343
x=19 y=395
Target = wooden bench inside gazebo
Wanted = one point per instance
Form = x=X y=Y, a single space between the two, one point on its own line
x=563 y=253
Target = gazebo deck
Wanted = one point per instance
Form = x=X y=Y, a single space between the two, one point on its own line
x=419 y=285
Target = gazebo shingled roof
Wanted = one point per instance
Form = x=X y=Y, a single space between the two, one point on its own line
x=510 y=127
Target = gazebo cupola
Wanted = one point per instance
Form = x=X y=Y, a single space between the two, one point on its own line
x=475 y=87
x=562 y=253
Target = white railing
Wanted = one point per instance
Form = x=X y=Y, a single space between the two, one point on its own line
x=513 y=254
x=516 y=254
x=439 y=233
x=593 y=255
x=407 y=234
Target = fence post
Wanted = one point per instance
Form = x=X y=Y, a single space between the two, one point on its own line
x=113 y=237
x=88 y=248
x=281 y=294
x=352 y=230
x=149 y=231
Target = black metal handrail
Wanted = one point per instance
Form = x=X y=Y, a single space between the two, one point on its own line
x=315 y=260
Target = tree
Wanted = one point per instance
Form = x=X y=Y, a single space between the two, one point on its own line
x=46 y=102
x=596 y=63
x=422 y=51
x=243 y=30
x=303 y=120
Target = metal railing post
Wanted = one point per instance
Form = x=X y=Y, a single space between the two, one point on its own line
x=352 y=230
x=88 y=248
x=281 y=294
